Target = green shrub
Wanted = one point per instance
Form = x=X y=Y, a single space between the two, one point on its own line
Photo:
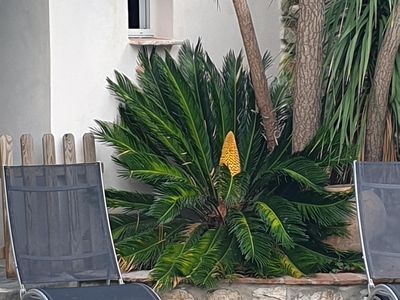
x=201 y=221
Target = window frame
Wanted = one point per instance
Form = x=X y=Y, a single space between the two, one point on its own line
x=144 y=29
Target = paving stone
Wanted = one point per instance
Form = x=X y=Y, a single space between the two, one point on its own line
x=9 y=288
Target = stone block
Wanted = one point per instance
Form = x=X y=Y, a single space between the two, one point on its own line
x=178 y=294
x=321 y=295
x=224 y=294
x=270 y=293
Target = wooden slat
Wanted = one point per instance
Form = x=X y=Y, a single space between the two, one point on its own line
x=69 y=149
x=56 y=217
x=89 y=155
x=33 y=207
x=49 y=149
x=74 y=216
x=6 y=158
x=26 y=141
x=89 y=148
x=6 y=151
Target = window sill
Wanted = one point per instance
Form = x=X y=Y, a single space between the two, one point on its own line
x=153 y=41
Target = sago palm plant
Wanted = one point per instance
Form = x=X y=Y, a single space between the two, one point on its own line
x=218 y=203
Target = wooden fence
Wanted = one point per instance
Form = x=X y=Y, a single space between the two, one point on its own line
x=27 y=158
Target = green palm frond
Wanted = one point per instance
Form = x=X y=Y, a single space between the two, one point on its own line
x=327 y=211
x=304 y=171
x=251 y=143
x=129 y=201
x=254 y=245
x=179 y=90
x=289 y=266
x=142 y=249
x=234 y=80
x=231 y=189
x=171 y=198
x=149 y=168
x=163 y=131
x=279 y=264
x=166 y=273
x=125 y=225
x=192 y=62
x=204 y=256
x=282 y=219
x=322 y=257
x=120 y=137
x=222 y=268
x=169 y=269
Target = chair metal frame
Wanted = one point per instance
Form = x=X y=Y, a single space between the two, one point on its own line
x=373 y=290
x=24 y=293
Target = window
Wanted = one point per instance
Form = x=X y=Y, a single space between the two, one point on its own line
x=139 y=18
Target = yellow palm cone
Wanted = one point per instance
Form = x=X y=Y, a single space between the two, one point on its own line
x=230 y=154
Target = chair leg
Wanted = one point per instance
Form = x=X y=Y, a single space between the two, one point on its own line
x=34 y=294
x=382 y=292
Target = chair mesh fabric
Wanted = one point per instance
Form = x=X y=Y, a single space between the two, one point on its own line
x=378 y=200
x=59 y=223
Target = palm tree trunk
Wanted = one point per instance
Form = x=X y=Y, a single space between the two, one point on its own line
x=378 y=98
x=260 y=84
x=308 y=70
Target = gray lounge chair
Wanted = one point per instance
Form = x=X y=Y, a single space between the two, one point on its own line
x=61 y=235
x=378 y=205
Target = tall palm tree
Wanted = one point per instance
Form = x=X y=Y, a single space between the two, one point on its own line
x=379 y=95
x=308 y=69
x=260 y=84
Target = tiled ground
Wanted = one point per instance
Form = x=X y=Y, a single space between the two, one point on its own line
x=9 y=289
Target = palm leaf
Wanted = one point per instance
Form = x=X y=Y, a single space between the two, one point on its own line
x=171 y=198
x=129 y=201
x=202 y=258
x=282 y=219
x=306 y=172
x=328 y=211
x=143 y=249
x=167 y=271
x=231 y=189
x=253 y=243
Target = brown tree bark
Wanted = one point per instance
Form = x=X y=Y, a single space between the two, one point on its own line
x=308 y=70
x=260 y=84
x=379 y=94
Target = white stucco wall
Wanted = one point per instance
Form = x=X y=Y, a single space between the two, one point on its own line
x=88 y=40
x=87 y=44
x=24 y=69
x=24 y=73
x=218 y=27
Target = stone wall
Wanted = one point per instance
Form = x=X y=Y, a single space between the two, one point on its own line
x=268 y=292
x=322 y=286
